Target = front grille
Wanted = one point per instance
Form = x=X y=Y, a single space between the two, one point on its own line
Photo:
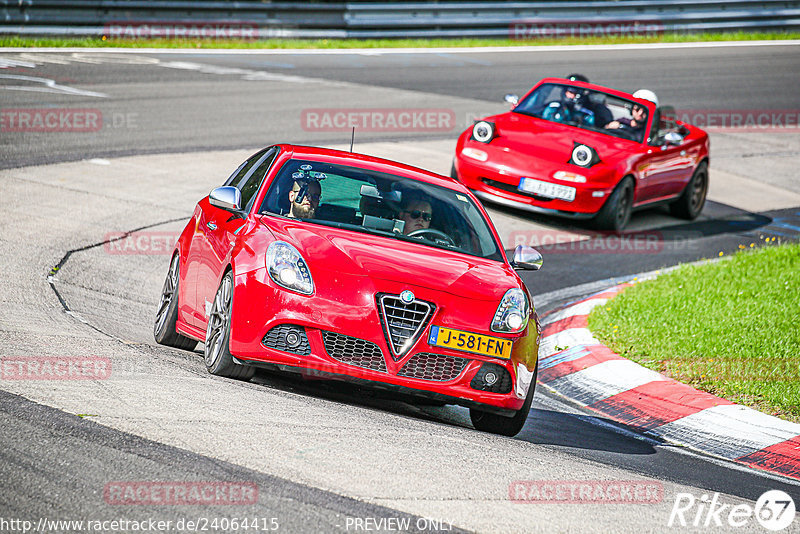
x=354 y=351
x=402 y=323
x=288 y=338
x=513 y=189
x=502 y=385
x=427 y=366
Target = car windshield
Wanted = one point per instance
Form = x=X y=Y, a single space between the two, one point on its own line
x=586 y=109
x=378 y=203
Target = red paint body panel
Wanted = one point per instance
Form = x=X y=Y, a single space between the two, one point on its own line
x=348 y=269
x=526 y=146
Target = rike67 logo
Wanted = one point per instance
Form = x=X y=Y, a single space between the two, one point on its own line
x=774 y=510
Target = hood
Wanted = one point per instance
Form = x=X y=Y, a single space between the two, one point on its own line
x=333 y=252
x=552 y=141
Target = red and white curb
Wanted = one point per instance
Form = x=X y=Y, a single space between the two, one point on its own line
x=575 y=364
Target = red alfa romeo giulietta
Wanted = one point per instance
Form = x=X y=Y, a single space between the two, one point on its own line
x=575 y=149
x=352 y=267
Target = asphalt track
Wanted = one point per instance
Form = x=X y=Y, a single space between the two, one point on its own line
x=322 y=453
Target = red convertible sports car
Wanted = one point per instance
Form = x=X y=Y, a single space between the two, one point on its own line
x=346 y=266
x=579 y=150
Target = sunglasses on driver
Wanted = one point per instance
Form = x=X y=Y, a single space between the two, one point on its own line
x=416 y=214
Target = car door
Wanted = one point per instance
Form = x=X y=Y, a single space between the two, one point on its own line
x=218 y=231
x=192 y=310
x=667 y=166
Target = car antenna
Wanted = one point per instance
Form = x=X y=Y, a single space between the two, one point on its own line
x=352 y=137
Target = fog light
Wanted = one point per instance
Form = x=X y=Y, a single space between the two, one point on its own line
x=292 y=339
x=598 y=194
x=490 y=378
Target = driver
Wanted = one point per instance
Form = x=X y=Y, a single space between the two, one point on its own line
x=638 y=118
x=416 y=212
x=304 y=199
x=569 y=107
x=636 y=122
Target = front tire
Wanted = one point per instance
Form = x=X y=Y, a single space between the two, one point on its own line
x=505 y=426
x=616 y=212
x=691 y=202
x=167 y=313
x=216 y=353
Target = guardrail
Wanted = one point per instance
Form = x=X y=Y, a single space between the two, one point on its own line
x=520 y=20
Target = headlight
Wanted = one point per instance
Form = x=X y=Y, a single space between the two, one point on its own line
x=583 y=155
x=483 y=131
x=288 y=269
x=513 y=312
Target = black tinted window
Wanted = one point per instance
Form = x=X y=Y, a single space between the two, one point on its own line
x=252 y=181
x=240 y=173
x=369 y=201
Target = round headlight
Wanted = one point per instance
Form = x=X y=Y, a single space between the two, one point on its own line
x=288 y=277
x=582 y=155
x=514 y=321
x=483 y=131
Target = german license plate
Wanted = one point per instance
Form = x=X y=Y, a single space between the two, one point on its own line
x=470 y=342
x=546 y=189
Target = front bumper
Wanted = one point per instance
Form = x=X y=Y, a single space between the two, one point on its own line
x=497 y=182
x=345 y=341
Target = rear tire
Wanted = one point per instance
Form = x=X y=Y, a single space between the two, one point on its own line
x=167 y=313
x=216 y=353
x=505 y=426
x=616 y=212
x=453 y=173
x=691 y=202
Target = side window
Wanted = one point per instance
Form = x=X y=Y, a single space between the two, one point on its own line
x=241 y=172
x=250 y=184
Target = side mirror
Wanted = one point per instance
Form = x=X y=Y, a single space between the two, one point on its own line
x=228 y=198
x=673 y=138
x=511 y=99
x=527 y=258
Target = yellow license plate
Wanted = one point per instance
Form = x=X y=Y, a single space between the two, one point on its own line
x=469 y=342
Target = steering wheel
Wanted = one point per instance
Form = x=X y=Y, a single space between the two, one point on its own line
x=431 y=234
x=627 y=131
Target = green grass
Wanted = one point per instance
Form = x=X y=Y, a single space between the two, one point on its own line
x=98 y=42
x=731 y=328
